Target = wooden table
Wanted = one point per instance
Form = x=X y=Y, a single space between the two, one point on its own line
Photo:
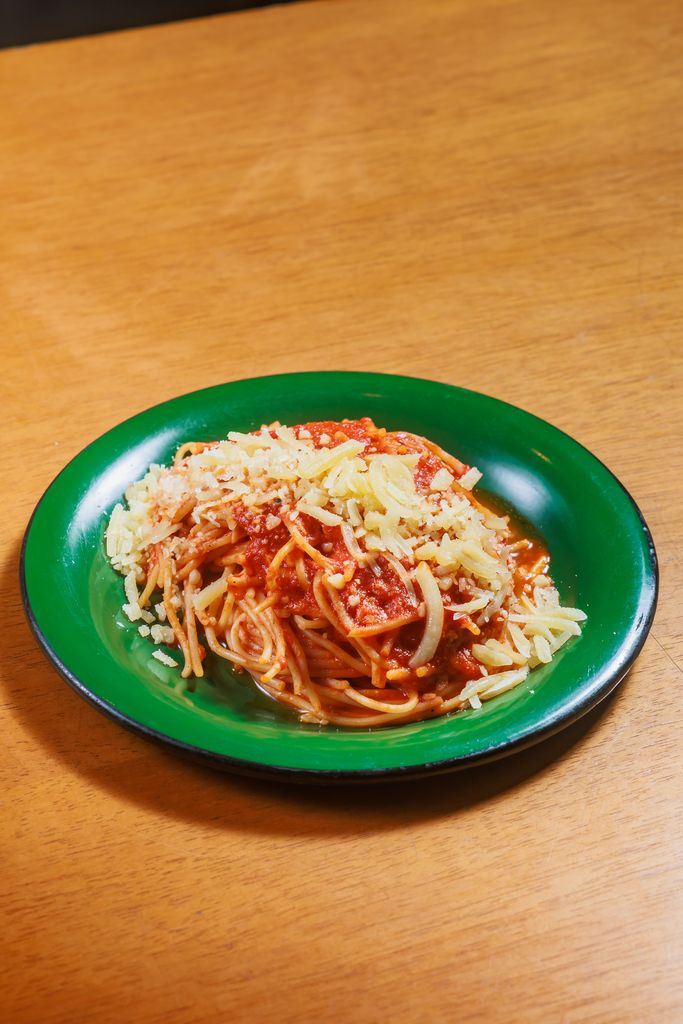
x=484 y=193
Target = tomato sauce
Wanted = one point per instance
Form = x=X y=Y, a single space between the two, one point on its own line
x=373 y=597
x=330 y=433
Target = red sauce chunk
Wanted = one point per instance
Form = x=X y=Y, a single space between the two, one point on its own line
x=373 y=598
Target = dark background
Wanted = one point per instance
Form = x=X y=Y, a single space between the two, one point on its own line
x=36 y=21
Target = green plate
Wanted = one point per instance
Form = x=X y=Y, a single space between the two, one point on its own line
x=603 y=560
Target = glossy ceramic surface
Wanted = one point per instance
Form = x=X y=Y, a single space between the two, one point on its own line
x=603 y=561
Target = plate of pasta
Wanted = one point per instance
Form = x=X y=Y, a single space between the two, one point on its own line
x=339 y=576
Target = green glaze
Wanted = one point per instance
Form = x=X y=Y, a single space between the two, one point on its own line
x=602 y=560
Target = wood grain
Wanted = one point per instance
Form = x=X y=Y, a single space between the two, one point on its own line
x=488 y=194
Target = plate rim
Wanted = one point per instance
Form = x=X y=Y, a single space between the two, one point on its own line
x=257 y=769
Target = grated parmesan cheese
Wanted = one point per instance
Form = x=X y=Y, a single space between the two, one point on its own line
x=470 y=479
x=374 y=493
x=164 y=659
x=162 y=634
x=441 y=481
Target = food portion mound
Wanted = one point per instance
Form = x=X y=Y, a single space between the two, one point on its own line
x=349 y=570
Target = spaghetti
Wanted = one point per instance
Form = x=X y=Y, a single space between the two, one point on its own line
x=348 y=570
